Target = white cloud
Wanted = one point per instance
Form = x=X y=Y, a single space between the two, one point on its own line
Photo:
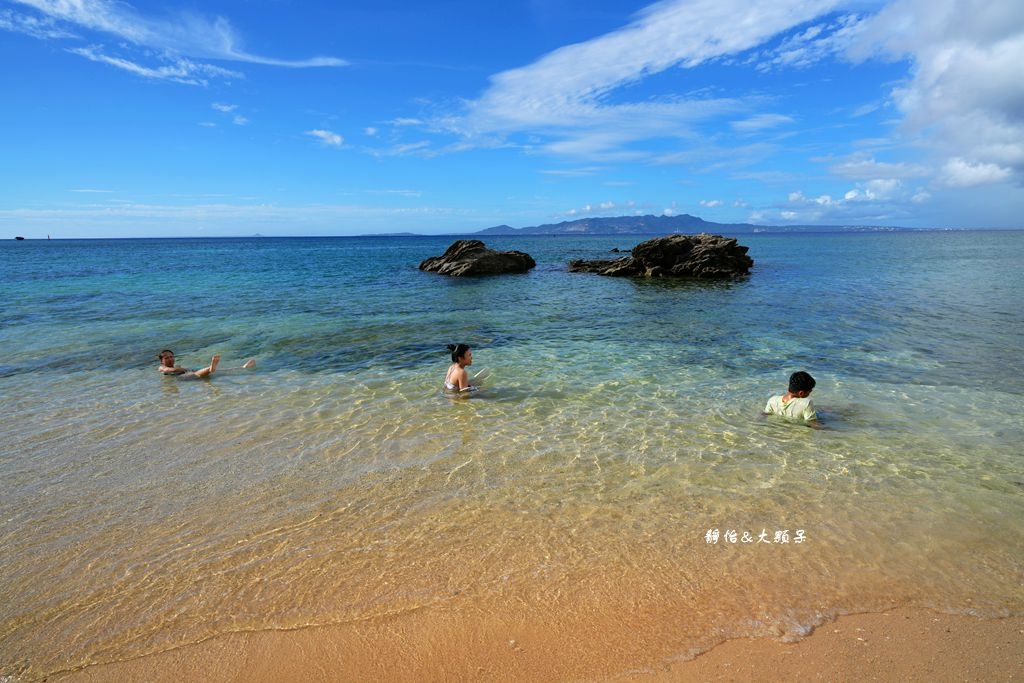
x=413 y=147
x=224 y=108
x=865 y=109
x=861 y=167
x=185 y=33
x=43 y=28
x=175 y=38
x=812 y=45
x=327 y=137
x=179 y=70
x=876 y=190
x=244 y=217
x=605 y=206
x=761 y=122
x=961 y=173
x=370 y=131
x=573 y=172
x=555 y=97
x=710 y=203
x=412 y=194
x=882 y=188
x=964 y=100
x=239 y=120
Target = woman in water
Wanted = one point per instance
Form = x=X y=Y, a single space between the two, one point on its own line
x=457 y=379
x=167 y=366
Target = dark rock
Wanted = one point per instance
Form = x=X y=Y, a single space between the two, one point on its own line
x=472 y=257
x=703 y=257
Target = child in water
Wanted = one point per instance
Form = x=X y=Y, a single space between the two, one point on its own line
x=457 y=379
x=795 y=404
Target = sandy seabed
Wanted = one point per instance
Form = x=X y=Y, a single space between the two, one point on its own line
x=899 y=645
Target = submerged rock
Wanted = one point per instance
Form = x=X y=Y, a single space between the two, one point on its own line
x=472 y=257
x=704 y=257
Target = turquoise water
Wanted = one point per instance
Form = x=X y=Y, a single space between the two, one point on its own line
x=336 y=483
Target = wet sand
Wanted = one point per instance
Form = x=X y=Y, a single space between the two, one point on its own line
x=903 y=644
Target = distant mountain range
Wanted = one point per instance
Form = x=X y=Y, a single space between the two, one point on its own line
x=662 y=225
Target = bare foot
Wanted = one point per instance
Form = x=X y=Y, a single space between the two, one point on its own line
x=249 y=364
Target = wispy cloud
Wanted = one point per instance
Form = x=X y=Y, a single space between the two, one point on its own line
x=179 y=70
x=812 y=45
x=327 y=137
x=44 y=28
x=761 y=122
x=582 y=110
x=227 y=218
x=573 y=172
x=236 y=118
x=411 y=194
x=860 y=167
x=178 y=39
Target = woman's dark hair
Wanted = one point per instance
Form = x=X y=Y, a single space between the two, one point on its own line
x=458 y=351
x=160 y=356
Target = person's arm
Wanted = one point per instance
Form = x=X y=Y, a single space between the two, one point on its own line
x=164 y=370
x=810 y=416
x=462 y=380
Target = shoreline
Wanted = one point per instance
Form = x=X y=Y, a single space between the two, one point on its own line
x=901 y=644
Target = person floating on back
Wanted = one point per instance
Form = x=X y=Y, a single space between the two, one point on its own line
x=795 y=404
x=167 y=366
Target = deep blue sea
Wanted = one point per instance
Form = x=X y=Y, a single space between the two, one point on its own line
x=615 y=465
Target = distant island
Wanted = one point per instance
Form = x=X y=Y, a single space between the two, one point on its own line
x=663 y=225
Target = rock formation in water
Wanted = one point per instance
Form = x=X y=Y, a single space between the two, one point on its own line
x=472 y=257
x=703 y=257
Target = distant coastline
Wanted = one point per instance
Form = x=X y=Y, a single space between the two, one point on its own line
x=661 y=225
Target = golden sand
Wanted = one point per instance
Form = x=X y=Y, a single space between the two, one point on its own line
x=905 y=644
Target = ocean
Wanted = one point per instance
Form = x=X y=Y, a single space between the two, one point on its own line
x=615 y=471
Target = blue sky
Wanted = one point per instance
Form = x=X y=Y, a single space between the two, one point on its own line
x=131 y=119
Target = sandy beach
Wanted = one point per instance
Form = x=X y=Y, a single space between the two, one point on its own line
x=900 y=645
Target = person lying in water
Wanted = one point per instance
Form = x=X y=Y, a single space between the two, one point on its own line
x=167 y=366
x=457 y=379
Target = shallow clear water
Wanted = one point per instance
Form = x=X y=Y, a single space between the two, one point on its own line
x=336 y=483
